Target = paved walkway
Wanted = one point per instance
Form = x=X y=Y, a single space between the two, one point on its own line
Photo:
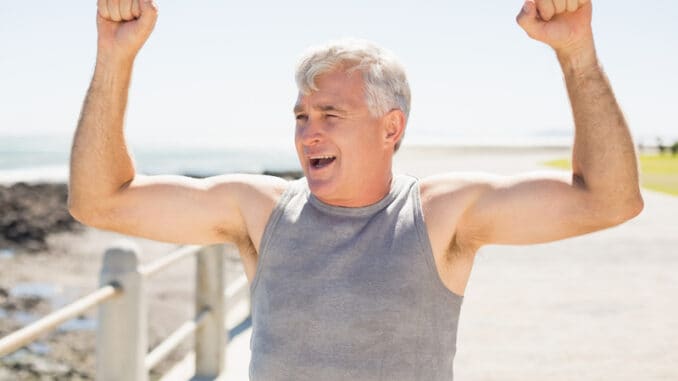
x=597 y=307
x=238 y=357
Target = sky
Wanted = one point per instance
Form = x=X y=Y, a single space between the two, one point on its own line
x=221 y=73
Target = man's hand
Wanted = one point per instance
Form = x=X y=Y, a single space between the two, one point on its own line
x=565 y=25
x=124 y=27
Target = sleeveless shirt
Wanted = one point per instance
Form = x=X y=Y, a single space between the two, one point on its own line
x=350 y=293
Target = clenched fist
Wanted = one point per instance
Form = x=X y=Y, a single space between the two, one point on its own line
x=124 y=27
x=565 y=25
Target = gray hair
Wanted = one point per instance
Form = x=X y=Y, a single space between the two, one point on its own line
x=386 y=86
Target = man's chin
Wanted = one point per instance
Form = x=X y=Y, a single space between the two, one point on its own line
x=319 y=186
x=322 y=189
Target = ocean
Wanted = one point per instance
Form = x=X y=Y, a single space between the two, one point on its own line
x=45 y=158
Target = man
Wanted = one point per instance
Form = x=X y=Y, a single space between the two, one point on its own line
x=356 y=273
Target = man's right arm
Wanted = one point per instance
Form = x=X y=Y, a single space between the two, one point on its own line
x=105 y=190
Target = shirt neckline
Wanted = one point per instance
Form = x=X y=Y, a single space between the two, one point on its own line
x=360 y=211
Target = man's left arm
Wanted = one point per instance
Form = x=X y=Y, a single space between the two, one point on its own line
x=603 y=190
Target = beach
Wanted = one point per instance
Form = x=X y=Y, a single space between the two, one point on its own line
x=596 y=307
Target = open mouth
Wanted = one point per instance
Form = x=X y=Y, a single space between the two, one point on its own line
x=318 y=162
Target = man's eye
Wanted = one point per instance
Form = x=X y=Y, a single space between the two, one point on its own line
x=331 y=116
x=301 y=117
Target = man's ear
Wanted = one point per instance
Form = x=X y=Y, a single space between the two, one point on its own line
x=394 y=127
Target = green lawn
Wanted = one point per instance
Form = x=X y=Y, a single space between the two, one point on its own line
x=659 y=173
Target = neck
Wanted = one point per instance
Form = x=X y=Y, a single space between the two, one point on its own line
x=363 y=192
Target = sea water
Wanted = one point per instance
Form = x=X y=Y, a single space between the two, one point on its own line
x=46 y=158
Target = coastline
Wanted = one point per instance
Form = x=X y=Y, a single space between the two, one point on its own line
x=55 y=173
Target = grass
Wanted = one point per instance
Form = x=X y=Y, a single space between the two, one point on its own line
x=657 y=172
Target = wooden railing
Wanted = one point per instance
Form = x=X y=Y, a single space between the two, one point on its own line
x=122 y=331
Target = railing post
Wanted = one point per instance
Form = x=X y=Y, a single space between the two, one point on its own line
x=210 y=338
x=122 y=337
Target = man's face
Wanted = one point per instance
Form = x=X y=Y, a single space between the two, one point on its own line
x=341 y=146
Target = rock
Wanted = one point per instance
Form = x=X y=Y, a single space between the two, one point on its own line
x=44 y=366
x=30 y=212
x=25 y=361
x=28 y=303
x=6 y=374
x=287 y=175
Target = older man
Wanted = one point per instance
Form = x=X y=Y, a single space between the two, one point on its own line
x=356 y=273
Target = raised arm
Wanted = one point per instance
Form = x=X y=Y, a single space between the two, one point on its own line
x=106 y=192
x=603 y=189
x=100 y=162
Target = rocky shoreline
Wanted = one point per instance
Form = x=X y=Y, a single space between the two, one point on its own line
x=31 y=212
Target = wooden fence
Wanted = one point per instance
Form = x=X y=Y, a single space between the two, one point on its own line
x=122 y=330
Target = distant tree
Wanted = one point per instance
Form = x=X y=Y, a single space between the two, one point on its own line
x=660 y=146
x=674 y=148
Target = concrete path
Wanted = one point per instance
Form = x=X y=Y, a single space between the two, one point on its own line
x=238 y=357
x=598 y=307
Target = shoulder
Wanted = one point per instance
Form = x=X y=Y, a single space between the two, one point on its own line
x=446 y=199
x=456 y=189
x=254 y=196
x=248 y=188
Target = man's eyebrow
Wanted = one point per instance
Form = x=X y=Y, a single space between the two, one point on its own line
x=329 y=107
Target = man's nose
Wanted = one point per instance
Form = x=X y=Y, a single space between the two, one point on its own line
x=311 y=131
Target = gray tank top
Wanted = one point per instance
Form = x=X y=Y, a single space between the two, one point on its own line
x=350 y=293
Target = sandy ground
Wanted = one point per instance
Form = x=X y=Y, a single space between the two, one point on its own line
x=597 y=307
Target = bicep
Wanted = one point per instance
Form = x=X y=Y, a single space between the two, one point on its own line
x=531 y=209
x=526 y=209
x=178 y=209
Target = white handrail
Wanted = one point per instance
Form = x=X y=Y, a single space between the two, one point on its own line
x=28 y=334
x=237 y=288
x=167 y=260
x=172 y=341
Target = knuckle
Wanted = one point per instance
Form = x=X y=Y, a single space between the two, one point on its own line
x=114 y=10
x=572 y=5
x=545 y=9
x=561 y=6
x=102 y=8
x=126 y=14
